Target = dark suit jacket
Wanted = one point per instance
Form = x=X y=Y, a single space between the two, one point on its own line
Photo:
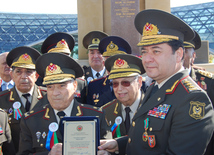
x=99 y=92
x=7 y=98
x=112 y=110
x=187 y=127
x=40 y=119
x=206 y=81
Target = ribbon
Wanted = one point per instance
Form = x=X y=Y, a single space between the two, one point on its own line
x=116 y=128
x=17 y=113
x=51 y=140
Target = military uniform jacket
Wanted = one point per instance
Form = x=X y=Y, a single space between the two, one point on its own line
x=100 y=92
x=113 y=110
x=180 y=120
x=88 y=73
x=7 y=99
x=39 y=120
x=5 y=135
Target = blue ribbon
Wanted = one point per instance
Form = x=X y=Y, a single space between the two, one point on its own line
x=48 y=140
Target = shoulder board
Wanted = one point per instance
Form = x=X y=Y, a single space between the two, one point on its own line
x=94 y=80
x=94 y=108
x=32 y=112
x=5 y=92
x=109 y=103
x=190 y=85
x=205 y=73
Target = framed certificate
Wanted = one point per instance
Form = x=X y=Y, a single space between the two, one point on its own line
x=81 y=135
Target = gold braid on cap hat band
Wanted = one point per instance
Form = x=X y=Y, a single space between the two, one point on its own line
x=188 y=44
x=124 y=70
x=155 y=39
x=121 y=75
x=57 y=78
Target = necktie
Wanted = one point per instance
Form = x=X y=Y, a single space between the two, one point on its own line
x=98 y=74
x=61 y=114
x=27 y=104
x=154 y=89
x=127 y=120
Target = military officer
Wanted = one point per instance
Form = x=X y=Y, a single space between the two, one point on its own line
x=5 y=135
x=96 y=68
x=203 y=78
x=61 y=42
x=59 y=77
x=25 y=94
x=99 y=90
x=125 y=72
x=176 y=116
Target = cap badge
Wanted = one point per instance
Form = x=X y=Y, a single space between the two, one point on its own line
x=120 y=63
x=150 y=29
x=25 y=58
x=95 y=41
x=112 y=47
x=62 y=44
x=53 y=69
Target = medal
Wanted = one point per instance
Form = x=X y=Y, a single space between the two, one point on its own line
x=17 y=111
x=43 y=135
x=145 y=134
x=38 y=134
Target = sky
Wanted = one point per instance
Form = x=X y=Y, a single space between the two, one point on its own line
x=63 y=7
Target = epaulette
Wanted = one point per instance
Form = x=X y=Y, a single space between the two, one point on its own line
x=205 y=73
x=190 y=86
x=32 y=112
x=108 y=104
x=94 y=108
x=42 y=88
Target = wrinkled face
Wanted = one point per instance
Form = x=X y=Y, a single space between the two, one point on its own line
x=159 y=61
x=127 y=89
x=95 y=59
x=189 y=57
x=60 y=95
x=4 y=68
x=24 y=78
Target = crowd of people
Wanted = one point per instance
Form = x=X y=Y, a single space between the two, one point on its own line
x=160 y=103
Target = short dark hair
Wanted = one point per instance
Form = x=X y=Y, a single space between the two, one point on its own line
x=175 y=45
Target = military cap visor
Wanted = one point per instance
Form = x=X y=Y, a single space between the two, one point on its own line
x=24 y=57
x=52 y=43
x=57 y=68
x=157 y=27
x=124 y=65
x=92 y=39
x=194 y=43
x=112 y=45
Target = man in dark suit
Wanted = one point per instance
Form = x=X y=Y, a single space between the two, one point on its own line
x=203 y=78
x=96 y=68
x=99 y=90
x=25 y=94
x=125 y=72
x=6 y=81
x=176 y=115
x=5 y=135
x=59 y=77
x=61 y=42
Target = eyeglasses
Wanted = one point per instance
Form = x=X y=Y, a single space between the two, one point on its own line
x=123 y=83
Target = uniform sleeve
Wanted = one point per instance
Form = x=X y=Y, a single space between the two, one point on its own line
x=26 y=142
x=103 y=126
x=192 y=125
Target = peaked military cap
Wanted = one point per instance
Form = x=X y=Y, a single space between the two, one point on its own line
x=124 y=65
x=195 y=42
x=92 y=39
x=57 y=68
x=157 y=27
x=24 y=57
x=112 y=45
x=59 y=42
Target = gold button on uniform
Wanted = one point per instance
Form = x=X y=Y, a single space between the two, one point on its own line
x=159 y=99
x=133 y=124
x=41 y=145
x=150 y=129
x=129 y=141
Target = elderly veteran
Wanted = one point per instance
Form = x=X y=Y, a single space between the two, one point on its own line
x=59 y=77
x=125 y=72
x=176 y=116
x=25 y=94
x=61 y=42
x=99 y=90
x=96 y=68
